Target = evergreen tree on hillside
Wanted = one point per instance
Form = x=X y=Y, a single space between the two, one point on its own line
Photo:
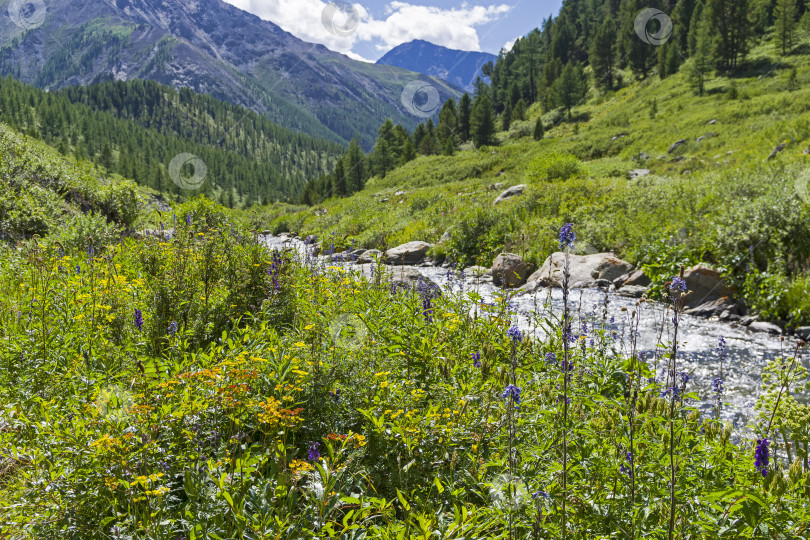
x=731 y=28
x=464 y=111
x=570 y=89
x=483 y=121
x=639 y=54
x=603 y=54
x=702 y=61
x=354 y=169
x=538 y=130
x=785 y=14
x=339 y=188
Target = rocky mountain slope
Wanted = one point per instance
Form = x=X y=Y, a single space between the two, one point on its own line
x=212 y=48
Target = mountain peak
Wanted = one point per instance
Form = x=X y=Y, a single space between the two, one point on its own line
x=459 y=68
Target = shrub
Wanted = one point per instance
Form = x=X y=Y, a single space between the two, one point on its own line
x=554 y=166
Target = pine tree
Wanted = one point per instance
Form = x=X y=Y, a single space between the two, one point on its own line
x=519 y=111
x=570 y=88
x=730 y=25
x=701 y=62
x=355 y=173
x=538 y=130
x=482 y=119
x=464 y=111
x=784 y=15
x=339 y=181
x=602 y=54
x=449 y=147
x=408 y=153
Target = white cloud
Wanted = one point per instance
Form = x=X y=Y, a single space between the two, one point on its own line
x=509 y=44
x=403 y=22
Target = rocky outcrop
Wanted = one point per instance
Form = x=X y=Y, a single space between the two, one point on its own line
x=513 y=191
x=776 y=151
x=509 y=270
x=764 y=327
x=585 y=270
x=676 y=145
x=411 y=253
x=637 y=173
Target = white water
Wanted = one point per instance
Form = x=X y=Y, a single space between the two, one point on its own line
x=747 y=352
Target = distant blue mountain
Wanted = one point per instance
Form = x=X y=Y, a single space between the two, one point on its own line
x=459 y=68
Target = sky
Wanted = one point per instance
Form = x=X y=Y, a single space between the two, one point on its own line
x=366 y=30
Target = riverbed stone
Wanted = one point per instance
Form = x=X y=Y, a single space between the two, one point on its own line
x=410 y=253
x=369 y=256
x=586 y=270
x=803 y=332
x=509 y=270
x=632 y=291
x=705 y=284
x=764 y=327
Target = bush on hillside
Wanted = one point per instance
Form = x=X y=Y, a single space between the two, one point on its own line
x=555 y=166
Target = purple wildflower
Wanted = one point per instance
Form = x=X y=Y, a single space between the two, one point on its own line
x=314 y=454
x=515 y=334
x=678 y=286
x=567 y=236
x=513 y=392
x=138 y=319
x=476 y=359
x=172 y=330
x=762 y=456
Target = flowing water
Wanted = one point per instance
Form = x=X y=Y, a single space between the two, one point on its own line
x=747 y=352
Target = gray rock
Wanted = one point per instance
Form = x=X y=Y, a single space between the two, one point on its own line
x=370 y=256
x=638 y=278
x=411 y=253
x=764 y=327
x=585 y=269
x=165 y=234
x=704 y=284
x=747 y=320
x=405 y=277
x=707 y=136
x=398 y=193
x=678 y=159
x=619 y=281
x=643 y=156
x=511 y=192
x=447 y=236
x=509 y=270
x=637 y=173
x=712 y=122
x=676 y=145
x=779 y=148
x=714 y=308
x=803 y=332
x=632 y=291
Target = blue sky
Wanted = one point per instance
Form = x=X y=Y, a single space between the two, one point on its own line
x=369 y=28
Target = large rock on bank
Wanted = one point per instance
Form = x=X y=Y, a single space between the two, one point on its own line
x=409 y=254
x=585 y=270
x=509 y=270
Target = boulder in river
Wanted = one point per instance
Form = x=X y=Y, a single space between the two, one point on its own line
x=586 y=270
x=369 y=256
x=509 y=270
x=803 y=332
x=408 y=278
x=511 y=192
x=764 y=327
x=632 y=291
x=411 y=253
x=705 y=284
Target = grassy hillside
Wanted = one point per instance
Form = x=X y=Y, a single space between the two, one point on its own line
x=41 y=195
x=719 y=200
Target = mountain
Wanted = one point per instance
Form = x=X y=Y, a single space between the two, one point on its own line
x=212 y=48
x=459 y=68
